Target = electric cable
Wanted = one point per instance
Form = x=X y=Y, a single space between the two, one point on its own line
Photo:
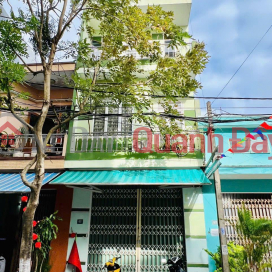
x=244 y=62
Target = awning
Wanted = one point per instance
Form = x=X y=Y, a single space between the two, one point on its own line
x=12 y=183
x=133 y=177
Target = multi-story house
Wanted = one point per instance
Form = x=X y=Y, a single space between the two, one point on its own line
x=18 y=147
x=246 y=175
x=144 y=207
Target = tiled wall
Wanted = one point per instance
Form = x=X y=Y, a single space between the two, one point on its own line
x=81 y=207
x=195 y=230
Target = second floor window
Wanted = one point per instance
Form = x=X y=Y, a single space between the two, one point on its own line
x=168 y=50
x=112 y=125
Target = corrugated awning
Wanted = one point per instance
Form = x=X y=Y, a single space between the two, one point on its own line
x=133 y=177
x=12 y=183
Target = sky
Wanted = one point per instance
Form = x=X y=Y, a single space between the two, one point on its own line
x=230 y=30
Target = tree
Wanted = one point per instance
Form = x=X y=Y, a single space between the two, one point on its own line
x=237 y=258
x=108 y=74
x=256 y=233
x=46 y=231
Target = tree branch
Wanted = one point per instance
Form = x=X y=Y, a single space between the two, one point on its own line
x=54 y=110
x=25 y=64
x=41 y=26
x=39 y=44
x=62 y=17
x=11 y=107
x=53 y=129
x=25 y=170
x=73 y=14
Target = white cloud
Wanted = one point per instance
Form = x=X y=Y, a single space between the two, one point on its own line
x=225 y=11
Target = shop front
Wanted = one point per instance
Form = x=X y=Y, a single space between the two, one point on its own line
x=143 y=216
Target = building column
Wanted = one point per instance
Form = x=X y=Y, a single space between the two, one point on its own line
x=195 y=231
x=59 y=246
x=211 y=221
x=80 y=224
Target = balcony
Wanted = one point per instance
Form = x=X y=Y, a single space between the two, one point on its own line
x=25 y=146
x=100 y=146
x=164 y=47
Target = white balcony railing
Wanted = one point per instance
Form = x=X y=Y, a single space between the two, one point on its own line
x=102 y=142
x=26 y=145
x=164 y=47
x=118 y=142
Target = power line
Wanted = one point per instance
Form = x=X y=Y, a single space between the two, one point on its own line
x=244 y=61
x=171 y=116
x=233 y=98
x=175 y=96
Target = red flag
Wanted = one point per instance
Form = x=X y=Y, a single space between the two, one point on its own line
x=250 y=136
x=74 y=258
x=230 y=150
x=237 y=145
x=266 y=126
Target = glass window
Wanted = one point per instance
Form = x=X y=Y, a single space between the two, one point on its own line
x=112 y=128
x=112 y=125
x=126 y=124
x=99 y=122
x=168 y=50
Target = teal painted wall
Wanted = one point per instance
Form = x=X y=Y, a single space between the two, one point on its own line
x=246 y=186
x=210 y=212
x=240 y=159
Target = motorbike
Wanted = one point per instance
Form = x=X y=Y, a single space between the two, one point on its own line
x=112 y=266
x=175 y=264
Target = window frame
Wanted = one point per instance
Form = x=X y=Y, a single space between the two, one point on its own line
x=119 y=123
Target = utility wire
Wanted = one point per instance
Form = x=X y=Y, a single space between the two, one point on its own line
x=232 y=98
x=244 y=61
x=163 y=96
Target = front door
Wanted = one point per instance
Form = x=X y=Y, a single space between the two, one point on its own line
x=143 y=226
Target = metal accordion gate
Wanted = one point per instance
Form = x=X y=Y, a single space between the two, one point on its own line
x=143 y=226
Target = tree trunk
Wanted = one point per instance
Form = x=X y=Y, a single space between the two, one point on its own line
x=27 y=230
x=28 y=216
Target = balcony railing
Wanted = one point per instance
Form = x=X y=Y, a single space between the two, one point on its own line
x=26 y=145
x=164 y=47
x=102 y=142
x=116 y=142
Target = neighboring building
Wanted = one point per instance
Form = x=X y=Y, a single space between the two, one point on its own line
x=144 y=207
x=18 y=147
x=246 y=177
x=17 y=143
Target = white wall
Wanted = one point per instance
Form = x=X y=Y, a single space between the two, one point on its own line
x=82 y=199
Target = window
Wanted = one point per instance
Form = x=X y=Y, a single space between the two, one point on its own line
x=113 y=125
x=126 y=125
x=96 y=42
x=99 y=122
x=168 y=50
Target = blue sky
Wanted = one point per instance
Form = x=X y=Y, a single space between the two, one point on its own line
x=230 y=30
